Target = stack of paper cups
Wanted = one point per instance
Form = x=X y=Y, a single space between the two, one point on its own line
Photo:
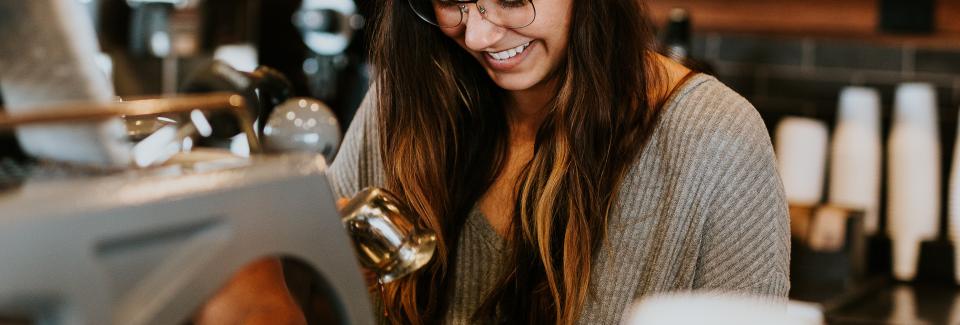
x=801 y=147
x=855 y=155
x=953 y=212
x=914 y=176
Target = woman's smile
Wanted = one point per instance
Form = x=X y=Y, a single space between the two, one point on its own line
x=507 y=60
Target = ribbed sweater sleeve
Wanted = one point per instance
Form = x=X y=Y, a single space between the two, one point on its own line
x=746 y=236
x=702 y=209
x=358 y=164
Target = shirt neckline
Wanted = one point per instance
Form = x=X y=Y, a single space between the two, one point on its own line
x=479 y=221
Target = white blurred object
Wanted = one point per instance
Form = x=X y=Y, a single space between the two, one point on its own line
x=855 y=155
x=914 y=176
x=801 y=148
x=240 y=145
x=953 y=213
x=327 y=26
x=105 y=64
x=177 y=3
x=805 y=312
x=157 y=147
x=302 y=124
x=48 y=56
x=719 y=309
x=201 y=123
x=160 y=44
x=242 y=57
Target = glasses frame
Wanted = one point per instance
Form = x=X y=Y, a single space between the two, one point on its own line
x=463 y=9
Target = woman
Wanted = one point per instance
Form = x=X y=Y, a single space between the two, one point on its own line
x=566 y=168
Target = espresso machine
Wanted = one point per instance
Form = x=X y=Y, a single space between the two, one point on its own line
x=114 y=214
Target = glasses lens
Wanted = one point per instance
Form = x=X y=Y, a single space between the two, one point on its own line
x=509 y=13
x=449 y=13
x=443 y=13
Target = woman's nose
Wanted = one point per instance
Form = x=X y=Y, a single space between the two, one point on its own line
x=480 y=34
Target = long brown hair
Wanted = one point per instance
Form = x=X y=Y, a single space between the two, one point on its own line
x=443 y=132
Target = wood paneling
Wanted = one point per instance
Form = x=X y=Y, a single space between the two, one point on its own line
x=819 y=18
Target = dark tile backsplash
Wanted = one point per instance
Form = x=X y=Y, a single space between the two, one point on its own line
x=699 y=47
x=938 y=61
x=743 y=83
x=838 y=54
x=804 y=76
x=763 y=51
x=803 y=86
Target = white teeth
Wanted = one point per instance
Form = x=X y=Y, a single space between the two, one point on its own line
x=503 y=55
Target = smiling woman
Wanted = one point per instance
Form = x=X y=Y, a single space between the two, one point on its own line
x=565 y=167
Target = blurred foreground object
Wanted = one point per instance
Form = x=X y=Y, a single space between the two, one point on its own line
x=48 y=54
x=157 y=137
x=719 y=309
x=262 y=90
x=184 y=209
x=151 y=246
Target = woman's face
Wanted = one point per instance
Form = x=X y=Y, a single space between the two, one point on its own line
x=543 y=44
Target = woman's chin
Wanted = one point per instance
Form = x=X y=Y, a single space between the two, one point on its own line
x=514 y=83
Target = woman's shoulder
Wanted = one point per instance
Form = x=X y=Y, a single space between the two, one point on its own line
x=706 y=115
x=704 y=103
x=710 y=147
x=705 y=133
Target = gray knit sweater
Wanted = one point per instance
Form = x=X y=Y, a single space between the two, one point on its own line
x=702 y=208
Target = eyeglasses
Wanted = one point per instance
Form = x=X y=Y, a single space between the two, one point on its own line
x=449 y=13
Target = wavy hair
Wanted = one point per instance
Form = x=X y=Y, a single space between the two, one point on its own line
x=443 y=132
